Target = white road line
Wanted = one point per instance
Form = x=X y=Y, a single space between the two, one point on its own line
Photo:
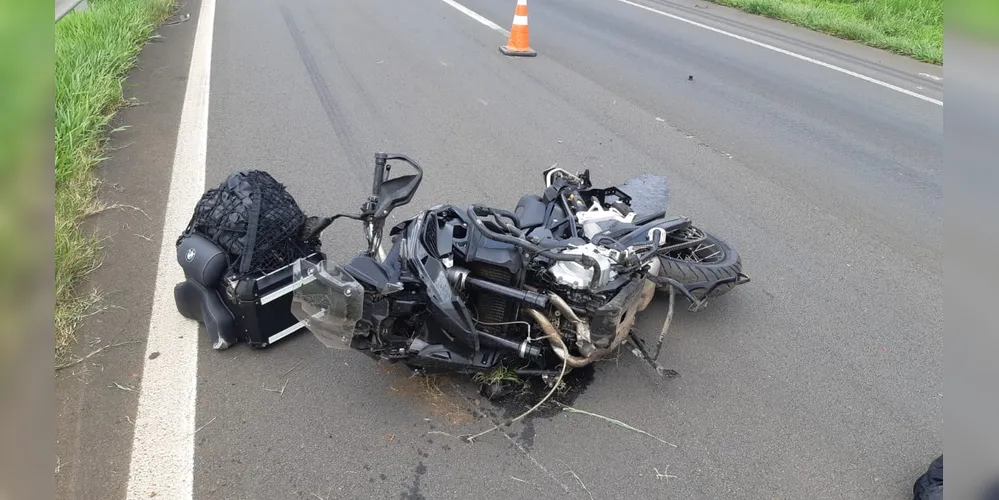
x=474 y=15
x=786 y=52
x=931 y=77
x=896 y=88
x=162 y=464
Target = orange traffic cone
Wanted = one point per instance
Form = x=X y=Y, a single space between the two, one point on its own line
x=518 y=45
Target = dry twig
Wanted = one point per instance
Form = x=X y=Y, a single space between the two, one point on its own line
x=535 y=462
x=578 y=480
x=664 y=474
x=615 y=422
x=285 y=374
x=444 y=433
x=78 y=361
x=123 y=387
x=122 y=206
x=203 y=426
x=279 y=391
x=526 y=454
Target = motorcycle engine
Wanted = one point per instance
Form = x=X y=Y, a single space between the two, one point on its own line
x=593 y=220
x=579 y=277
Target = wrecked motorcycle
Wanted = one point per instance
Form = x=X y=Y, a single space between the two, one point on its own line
x=554 y=284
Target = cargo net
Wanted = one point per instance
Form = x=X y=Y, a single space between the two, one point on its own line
x=255 y=220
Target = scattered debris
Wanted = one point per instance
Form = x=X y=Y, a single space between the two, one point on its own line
x=519 y=479
x=203 y=426
x=389 y=437
x=182 y=19
x=78 y=361
x=285 y=374
x=328 y=492
x=279 y=391
x=522 y=450
x=535 y=462
x=664 y=474
x=123 y=387
x=133 y=103
x=129 y=420
x=658 y=119
x=578 y=480
x=615 y=422
x=555 y=386
x=120 y=206
x=501 y=373
x=690 y=78
x=147 y=238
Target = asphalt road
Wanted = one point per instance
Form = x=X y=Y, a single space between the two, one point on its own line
x=822 y=378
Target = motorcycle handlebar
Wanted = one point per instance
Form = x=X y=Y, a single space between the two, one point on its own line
x=381 y=161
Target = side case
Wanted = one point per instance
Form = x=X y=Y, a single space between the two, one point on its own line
x=262 y=304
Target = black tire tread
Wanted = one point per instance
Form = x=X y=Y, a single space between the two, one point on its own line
x=688 y=273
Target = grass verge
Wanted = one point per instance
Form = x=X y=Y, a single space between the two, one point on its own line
x=909 y=27
x=977 y=19
x=93 y=52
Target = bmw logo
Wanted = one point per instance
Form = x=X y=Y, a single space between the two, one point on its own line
x=190 y=255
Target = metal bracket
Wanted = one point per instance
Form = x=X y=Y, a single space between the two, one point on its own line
x=643 y=354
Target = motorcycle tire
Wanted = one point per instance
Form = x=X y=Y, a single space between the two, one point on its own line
x=689 y=271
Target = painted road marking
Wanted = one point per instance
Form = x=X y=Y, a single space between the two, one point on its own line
x=474 y=15
x=787 y=53
x=931 y=77
x=479 y=18
x=162 y=464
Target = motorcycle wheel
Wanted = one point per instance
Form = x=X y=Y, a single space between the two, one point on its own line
x=711 y=260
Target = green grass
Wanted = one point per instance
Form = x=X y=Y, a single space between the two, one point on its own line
x=909 y=27
x=498 y=375
x=93 y=52
x=26 y=61
x=975 y=19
